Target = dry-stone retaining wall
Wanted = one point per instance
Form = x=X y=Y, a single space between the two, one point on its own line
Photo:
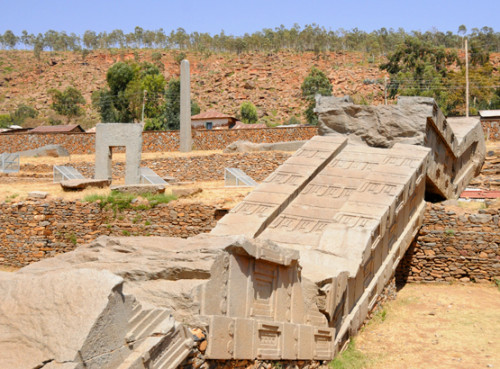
x=33 y=230
x=450 y=246
x=454 y=245
x=491 y=129
x=257 y=165
x=84 y=143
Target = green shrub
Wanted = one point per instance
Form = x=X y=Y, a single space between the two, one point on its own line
x=22 y=113
x=5 y=120
x=293 y=120
x=248 y=112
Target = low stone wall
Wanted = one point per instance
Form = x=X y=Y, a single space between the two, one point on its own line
x=491 y=129
x=451 y=245
x=257 y=165
x=84 y=143
x=33 y=230
x=454 y=245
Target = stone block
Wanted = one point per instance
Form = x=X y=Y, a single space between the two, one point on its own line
x=82 y=184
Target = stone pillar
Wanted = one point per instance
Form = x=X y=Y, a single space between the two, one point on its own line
x=185 y=116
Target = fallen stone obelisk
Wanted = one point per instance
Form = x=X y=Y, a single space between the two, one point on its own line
x=290 y=273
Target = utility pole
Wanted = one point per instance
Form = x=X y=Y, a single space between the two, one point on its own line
x=143 y=103
x=466 y=79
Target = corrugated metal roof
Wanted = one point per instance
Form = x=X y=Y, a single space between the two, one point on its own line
x=241 y=125
x=55 y=129
x=210 y=114
x=489 y=113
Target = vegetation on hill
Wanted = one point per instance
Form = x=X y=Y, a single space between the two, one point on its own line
x=418 y=68
x=312 y=37
x=266 y=68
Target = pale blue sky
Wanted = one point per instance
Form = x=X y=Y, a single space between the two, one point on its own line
x=237 y=17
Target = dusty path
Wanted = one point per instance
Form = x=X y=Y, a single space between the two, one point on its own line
x=436 y=326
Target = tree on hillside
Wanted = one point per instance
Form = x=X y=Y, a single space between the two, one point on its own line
x=417 y=68
x=112 y=103
x=169 y=119
x=134 y=85
x=22 y=113
x=248 y=113
x=9 y=39
x=68 y=102
x=316 y=82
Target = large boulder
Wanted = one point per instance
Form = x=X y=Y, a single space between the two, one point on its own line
x=247 y=146
x=47 y=150
x=457 y=143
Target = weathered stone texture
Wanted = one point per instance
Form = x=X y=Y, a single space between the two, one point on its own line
x=82 y=319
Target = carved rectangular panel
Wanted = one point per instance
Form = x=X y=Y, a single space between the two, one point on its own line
x=376 y=188
x=353 y=220
x=295 y=223
x=402 y=161
x=282 y=178
x=261 y=210
x=329 y=191
x=352 y=164
x=323 y=343
x=269 y=340
x=265 y=280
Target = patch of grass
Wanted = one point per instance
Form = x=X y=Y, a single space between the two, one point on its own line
x=125 y=232
x=381 y=315
x=497 y=282
x=147 y=222
x=351 y=358
x=71 y=237
x=449 y=232
x=11 y=197
x=119 y=201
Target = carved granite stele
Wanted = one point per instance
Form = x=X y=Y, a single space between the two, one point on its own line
x=290 y=273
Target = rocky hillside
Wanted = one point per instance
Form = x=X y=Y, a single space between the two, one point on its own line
x=220 y=81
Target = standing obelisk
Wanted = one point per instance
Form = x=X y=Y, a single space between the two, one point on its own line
x=185 y=129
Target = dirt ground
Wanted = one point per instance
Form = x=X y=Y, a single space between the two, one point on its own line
x=436 y=326
x=14 y=188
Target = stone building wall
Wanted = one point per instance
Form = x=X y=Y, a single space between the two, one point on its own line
x=454 y=245
x=84 y=143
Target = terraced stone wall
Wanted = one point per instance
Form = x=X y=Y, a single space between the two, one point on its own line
x=491 y=128
x=454 y=244
x=84 y=143
x=33 y=230
x=451 y=245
